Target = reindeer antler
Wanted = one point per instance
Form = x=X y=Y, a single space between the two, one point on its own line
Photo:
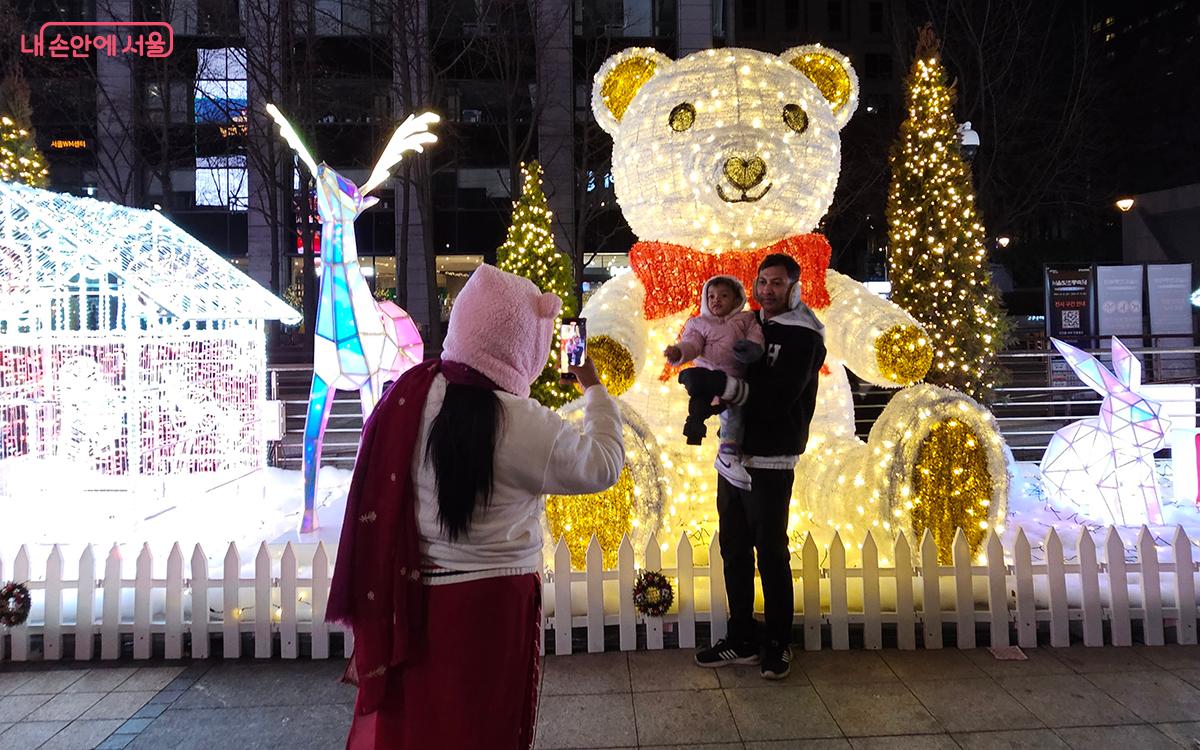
x=412 y=134
x=293 y=138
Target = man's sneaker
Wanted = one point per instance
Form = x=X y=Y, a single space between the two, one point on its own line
x=727 y=652
x=730 y=466
x=777 y=661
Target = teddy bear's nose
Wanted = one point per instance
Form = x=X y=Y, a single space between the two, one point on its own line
x=745 y=173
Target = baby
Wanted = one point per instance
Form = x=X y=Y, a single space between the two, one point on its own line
x=723 y=337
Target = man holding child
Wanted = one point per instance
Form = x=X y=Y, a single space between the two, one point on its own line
x=777 y=396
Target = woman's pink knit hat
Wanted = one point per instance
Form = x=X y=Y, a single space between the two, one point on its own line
x=501 y=325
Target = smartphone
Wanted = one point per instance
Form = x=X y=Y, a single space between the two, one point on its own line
x=572 y=345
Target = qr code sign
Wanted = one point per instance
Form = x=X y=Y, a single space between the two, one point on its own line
x=1070 y=319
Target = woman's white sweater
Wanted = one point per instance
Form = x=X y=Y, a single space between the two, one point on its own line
x=537 y=453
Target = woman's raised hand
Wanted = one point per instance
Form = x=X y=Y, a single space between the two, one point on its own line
x=585 y=374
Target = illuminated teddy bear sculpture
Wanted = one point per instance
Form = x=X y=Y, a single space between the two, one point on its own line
x=719 y=159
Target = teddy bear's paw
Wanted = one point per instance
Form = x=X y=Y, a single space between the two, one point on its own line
x=614 y=363
x=903 y=354
x=952 y=486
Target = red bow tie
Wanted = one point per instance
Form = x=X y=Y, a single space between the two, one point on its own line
x=673 y=275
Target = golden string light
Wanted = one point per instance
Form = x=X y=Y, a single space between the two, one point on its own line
x=608 y=515
x=952 y=487
x=903 y=354
x=20 y=160
x=938 y=260
x=613 y=363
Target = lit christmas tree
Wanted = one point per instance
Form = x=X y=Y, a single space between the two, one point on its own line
x=20 y=160
x=529 y=251
x=938 y=259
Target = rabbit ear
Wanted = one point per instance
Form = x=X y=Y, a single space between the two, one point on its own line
x=1089 y=369
x=1127 y=367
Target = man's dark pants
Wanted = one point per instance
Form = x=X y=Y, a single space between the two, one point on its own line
x=757 y=520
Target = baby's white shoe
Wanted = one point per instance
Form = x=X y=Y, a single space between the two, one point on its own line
x=729 y=465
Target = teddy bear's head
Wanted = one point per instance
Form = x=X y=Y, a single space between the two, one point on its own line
x=726 y=148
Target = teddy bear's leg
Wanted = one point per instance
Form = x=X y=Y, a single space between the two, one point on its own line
x=940 y=464
x=831 y=479
x=831 y=490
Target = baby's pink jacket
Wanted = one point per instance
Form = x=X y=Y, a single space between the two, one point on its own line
x=709 y=340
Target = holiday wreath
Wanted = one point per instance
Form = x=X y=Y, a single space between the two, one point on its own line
x=652 y=593
x=14 y=604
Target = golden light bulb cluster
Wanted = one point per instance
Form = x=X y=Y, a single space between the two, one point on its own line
x=952 y=487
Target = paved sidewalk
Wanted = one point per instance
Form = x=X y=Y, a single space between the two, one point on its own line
x=1080 y=698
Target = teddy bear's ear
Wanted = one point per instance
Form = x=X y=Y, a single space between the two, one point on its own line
x=833 y=75
x=618 y=81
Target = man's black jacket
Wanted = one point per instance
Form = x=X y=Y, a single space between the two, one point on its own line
x=782 y=385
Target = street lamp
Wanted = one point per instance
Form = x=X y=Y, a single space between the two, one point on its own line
x=970 y=140
x=1125 y=204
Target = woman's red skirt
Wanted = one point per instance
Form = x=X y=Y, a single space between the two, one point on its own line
x=472 y=683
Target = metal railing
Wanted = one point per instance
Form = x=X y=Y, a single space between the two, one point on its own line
x=1029 y=409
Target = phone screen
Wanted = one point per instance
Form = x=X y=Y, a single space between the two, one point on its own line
x=572 y=337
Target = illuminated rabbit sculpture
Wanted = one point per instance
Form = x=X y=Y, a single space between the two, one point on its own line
x=1104 y=465
x=359 y=343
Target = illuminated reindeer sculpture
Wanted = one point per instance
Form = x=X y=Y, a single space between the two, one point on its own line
x=360 y=343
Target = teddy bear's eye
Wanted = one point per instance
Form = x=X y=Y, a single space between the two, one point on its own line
x=795 y=118
x=682 y=117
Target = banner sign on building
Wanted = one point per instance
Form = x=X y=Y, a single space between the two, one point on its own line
x=1069 y=315
x=1069 y=305
x=1119 y=302
x=1171 y=319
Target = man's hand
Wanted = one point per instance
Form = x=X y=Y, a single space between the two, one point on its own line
x=673 y=354
x=747 y=351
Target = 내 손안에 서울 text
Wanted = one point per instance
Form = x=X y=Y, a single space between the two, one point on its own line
x=78 y=39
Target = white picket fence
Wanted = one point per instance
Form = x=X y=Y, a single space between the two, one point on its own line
x=1010 y=598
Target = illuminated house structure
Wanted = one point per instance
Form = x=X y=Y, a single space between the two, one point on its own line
x=127 y=347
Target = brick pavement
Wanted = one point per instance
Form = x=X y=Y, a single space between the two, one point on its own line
x=1137 y=697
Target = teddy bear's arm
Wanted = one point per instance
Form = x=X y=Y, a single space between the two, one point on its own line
x=616 y=330
x=879 y=341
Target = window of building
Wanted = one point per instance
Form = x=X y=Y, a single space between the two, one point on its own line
x=221 y=181
x=220 y=96
x=492 y=182
x=452 y=274
x=836 y=10
x=217 y=16
x=175 y=97
x=875 y=17
x=328 y=15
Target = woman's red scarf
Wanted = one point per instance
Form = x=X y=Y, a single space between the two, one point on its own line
x=376 y=587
